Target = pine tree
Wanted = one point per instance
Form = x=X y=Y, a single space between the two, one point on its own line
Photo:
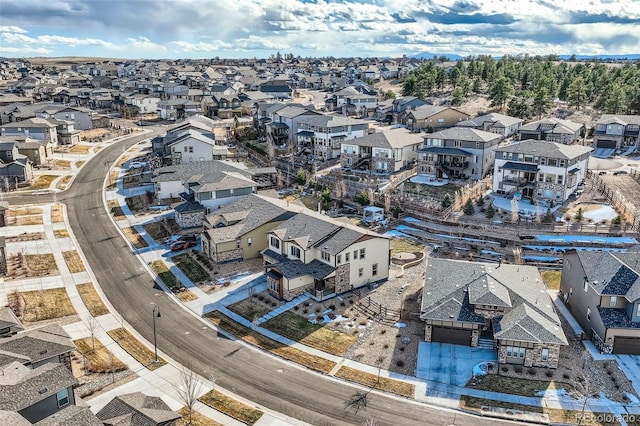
x=468 y=208
x=541 y=102
x=490 y=212
x=501 y=91
x=457 y=97
x=577 y=93
x=446 y=201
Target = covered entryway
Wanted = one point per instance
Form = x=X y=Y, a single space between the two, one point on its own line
x=626 y=345
x=455 y=336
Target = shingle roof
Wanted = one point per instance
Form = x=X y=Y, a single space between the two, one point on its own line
x=186 y=171
x=426 y=111
x=525 y=324
x=463 y=134
x=8 y=318
x=609 y=273
x=13 y=418
x=38 y=344
x=388 y=138
x=556 y=125
x=450 y=285
x=21 y=387
x=137 y=409
x=73 y=415
x=493 y=118
x=330 y=121
x=295 y=268
x=626 y=119
x=546 y=149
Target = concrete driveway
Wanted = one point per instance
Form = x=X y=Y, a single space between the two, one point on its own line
x=450 y=364
x=630 y=365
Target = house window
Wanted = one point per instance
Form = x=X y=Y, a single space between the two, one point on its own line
x=638 y=310
x=559 y=179
x=325 y=256
x=355 y=254
x=515 y=352
x=613 y=300
x=186 y=149
x=275 y=242
x=360 y=272
x=338 y=259
x=63 y=398
x=346 y=257
x=190 y=149
x=544 y=354
x=249 y=241
x=295 y=252
x=374 y=270
x=440 y=120
x=540 y=177
x=238 y=243
x=362 y=251
x=589 y=314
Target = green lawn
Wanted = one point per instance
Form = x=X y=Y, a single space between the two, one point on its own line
x=165 y=274
x=190 y=267
x=551 y=279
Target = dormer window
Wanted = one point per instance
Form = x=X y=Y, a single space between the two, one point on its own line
x=274 y=242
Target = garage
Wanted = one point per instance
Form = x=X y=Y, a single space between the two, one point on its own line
x=455 y=336
x=606 y=144
x=626 y=345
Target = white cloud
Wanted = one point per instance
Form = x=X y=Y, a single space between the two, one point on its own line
x=26 y=50
x=212 y=46
x=143 y=43
x=12 y=29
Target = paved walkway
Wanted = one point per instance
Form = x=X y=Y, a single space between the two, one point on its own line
x=162 y=381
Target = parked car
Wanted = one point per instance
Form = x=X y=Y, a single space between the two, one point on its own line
x=137 y=164
x=182 y=245
x=620 y=172
x=178 y=238
x=602 y=173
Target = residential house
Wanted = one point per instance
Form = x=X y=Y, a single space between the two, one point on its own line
x=386 y=151
x=199 y=123
x=196 y=146
x=313 y=253
x=14 y=167
x=602 y=291
x=361 y=105
x=175 y=109
x=32 y=149
x=238 y=231
x=399 y=108
x=322 y=135
x=82 y=118
x=615 y=131
x=552 y=129
x=432 y=117
x=9 y=323
x=137 y=409
x=42 y=129
x=545 y=172
x=339 y=98
x=141 y=104
x=458 y=153
x=277 y=89
x=67 y=134
x=500 y=124
x=464 y=303
x=39 y=346
x=283 y=125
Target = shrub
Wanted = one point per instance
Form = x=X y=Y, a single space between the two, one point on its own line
x=372 y=343
x=332 y=316
x=295 y=308
x=342 y=304
x=260 y=297
x=384 y=330
x=400 y=363
x=401 y=349
x=386 y=346
x=566 y=376
x=549 y=373
x=504 y=368
x=363 y=322
x=380 y=359
x=305 y=311
x=318 y=310
x=517 y=369
x=274 y=304
x=351 y=301
x=532 y=371
x=332 y=307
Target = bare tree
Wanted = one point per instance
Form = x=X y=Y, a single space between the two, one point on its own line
x=587 y=387
x=357 y=402
x=92 y=325
x=371 y=421
x=188 y=388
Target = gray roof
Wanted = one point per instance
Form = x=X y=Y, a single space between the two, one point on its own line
x=388 y=138
x=187 y=171
x=73 y=415
x=525 y=324
x=38 y=344
x=426 y=111
x=295 y=268
x=451 y=286
x=21 y=386
x=244 y=215
x=136 y=409
x=546 y=149
x=552 y=125
x=8 y=318
x=463 y=134
x=494 y=118
x=615 y=274
x=13 y=418
x=445 y=151
x=220 y=181
x=625 y=119
x=331 y=121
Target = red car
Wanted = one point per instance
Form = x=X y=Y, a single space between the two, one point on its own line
x=182 y=245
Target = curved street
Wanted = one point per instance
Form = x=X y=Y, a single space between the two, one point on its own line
x=259 y=377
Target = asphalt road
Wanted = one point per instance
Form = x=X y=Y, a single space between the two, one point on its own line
x=257 y=376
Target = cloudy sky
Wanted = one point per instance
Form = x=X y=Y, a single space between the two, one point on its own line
x=260 y=28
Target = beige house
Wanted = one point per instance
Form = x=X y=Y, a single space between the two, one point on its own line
x=433 y=117
x=238 y=231
x=314 y=253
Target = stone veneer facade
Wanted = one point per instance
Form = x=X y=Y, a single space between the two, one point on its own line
x=533 y=356
x=227 y=256
x=342 y=278
x=190 y=219
x=292 y=294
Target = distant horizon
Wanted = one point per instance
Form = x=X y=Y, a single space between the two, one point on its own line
x=134 y=29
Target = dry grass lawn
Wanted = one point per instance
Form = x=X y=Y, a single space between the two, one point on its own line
x=231 y=407
x=291 y=354
x=29 y=220
x=556 y=416
x=24 y=211
x=186 y=295
x=299 y=329
x=156 y=230
x=403 y=245
x=60 y=233
x=375 y=382
x=516 y=386
x=82 y=149
x=197 y=419
x=92 y=299
x=249 y=309
x=136 y=349
x=135 y=238
x=98 y=359
x=40 y=262
x=63 y=164
x=73 y=261
x=43 y=182
x=116 y=210
x=57 y=213
x=79 y=164
x=46 y=304
x=167 y=277
x=64 y=182
x=551 y=279
x=123 y=159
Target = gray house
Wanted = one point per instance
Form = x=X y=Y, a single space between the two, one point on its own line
x=137 y=409
x=464 y=303
x=602 y=291
x=36 y=347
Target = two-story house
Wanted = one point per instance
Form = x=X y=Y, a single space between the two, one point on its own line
x=545 y=172
x=458 y=153
x=614 y=131
x=602 y=291
x=277 y=89
x=507 y=305
x=552 y=129
x=432 y=117
x=314 y=253
x=361 y=105
x=386 y=151
x=283 y=125
x=396 y=110
x=196 y=146
x=323 y=135
x=137 y=409
x=41 y=129
x=238 y=231
x=500 y=124
x=14 y=166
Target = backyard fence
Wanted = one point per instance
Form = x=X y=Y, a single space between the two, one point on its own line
x=628 y=212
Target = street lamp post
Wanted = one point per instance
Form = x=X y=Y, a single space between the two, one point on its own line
x=155 y=313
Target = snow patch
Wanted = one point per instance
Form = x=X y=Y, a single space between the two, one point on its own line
x=481 y=369
x=399 y=325
x=554 y=394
